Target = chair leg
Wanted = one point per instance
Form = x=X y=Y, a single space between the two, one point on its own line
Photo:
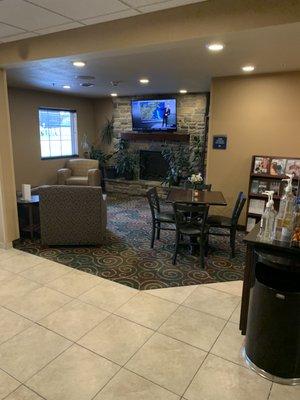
x=202 y=253
x=153 y=235
x=158 y=231
x=232 y=242
x=206 y=245
x=176 y=247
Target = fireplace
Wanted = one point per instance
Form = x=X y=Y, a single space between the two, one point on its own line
x=152 y=165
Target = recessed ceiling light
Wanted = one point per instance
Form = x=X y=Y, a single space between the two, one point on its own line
x=114 y=94
x=66 y=87
x=87 y=84
x=248 y=68
x=215 y=46
x=79 y=64
x=144 y=81
x=183 y=91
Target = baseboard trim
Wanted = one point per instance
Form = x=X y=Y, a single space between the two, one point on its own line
x=6 y=246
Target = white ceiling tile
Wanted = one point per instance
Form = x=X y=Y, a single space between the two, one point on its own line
x=156 y=6
x=20 y=36
x=110 y=17
x=6 y=30
x=141 y=3
x=28 y=16
x=59 y=28
x=81 y=9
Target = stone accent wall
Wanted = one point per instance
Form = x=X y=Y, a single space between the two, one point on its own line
x=191 y=109
x=135 y=188
x=191 y=120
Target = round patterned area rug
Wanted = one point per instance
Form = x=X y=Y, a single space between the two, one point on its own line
x=126 y=256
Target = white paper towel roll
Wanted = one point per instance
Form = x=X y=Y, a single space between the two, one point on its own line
x=26 y=192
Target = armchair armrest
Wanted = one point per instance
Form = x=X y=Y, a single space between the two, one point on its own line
x=94 y=177
x=62 y=175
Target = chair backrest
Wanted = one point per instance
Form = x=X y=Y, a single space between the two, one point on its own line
x=80 y=166
x=199 y=186
x=239 y=204
x=153 y=201
x=194 y=215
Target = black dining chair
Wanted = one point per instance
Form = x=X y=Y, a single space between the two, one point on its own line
x=228 y=223
x=190 y=220
x=160 y=220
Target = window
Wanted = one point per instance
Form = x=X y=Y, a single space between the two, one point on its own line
x=58 y=133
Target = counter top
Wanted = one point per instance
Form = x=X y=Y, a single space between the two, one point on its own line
x=275 y=245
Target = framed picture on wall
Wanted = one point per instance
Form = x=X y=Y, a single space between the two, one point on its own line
x=261 y=165
x=293 y=167
x=277 y=166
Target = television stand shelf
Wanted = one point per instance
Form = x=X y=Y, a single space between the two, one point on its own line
x=155 y=137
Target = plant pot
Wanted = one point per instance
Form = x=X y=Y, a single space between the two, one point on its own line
x=129 y=176
x=111 y=172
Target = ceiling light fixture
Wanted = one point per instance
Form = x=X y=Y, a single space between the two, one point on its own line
x=144 y=81
x=79 y=64
x=87 y=84
x=183 y=91
x=215 y=47
x=66 y=87
x=114 y=94
x=248 y=68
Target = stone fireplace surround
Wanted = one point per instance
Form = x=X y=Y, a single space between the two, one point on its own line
x=192 y=112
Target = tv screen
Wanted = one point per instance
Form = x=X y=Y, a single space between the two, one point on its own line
x=154 y=115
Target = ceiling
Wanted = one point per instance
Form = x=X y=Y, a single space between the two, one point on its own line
x=22 y=19
x=187 y=65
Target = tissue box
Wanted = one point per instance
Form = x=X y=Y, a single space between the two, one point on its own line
x=26 y=192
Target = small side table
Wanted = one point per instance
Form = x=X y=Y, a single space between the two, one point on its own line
x=28 y=212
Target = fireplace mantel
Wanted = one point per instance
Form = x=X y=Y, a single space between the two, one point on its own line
x=156 y=137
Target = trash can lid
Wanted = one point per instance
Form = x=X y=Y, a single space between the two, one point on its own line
x=277 y=261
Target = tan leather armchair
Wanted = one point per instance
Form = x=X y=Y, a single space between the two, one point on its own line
x=80 y=171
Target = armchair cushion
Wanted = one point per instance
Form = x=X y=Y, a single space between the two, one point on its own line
x=78 y=180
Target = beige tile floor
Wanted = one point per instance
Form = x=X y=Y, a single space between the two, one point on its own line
x=69 y=335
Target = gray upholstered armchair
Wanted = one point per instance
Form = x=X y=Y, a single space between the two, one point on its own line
x=72 y=215
x=79 y=171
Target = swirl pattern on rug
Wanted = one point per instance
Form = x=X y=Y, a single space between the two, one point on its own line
x=126 y=256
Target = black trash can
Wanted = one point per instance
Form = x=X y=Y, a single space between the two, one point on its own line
x=272 y=346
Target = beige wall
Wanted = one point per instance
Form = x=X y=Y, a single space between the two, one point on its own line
x=260 y=115
x=24 y=105
x=8 y=207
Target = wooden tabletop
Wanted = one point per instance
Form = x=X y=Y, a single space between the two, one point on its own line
x=34 y=199
x=180 y=195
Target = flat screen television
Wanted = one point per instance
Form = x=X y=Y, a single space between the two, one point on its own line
x=154 y=115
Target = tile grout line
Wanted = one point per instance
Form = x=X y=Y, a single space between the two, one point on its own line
x=270 y=391
x=124 y=365
x=208 y=353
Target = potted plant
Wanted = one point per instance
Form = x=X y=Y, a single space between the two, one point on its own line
x=178 y=158
x=126 y=161
x=108 y=132
x=183 y=161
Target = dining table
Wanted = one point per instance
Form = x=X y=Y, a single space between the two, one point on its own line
x=191 y=196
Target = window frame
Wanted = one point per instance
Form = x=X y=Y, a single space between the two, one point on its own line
x=75 y=152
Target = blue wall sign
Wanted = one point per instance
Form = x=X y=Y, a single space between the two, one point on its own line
x=220 y=142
